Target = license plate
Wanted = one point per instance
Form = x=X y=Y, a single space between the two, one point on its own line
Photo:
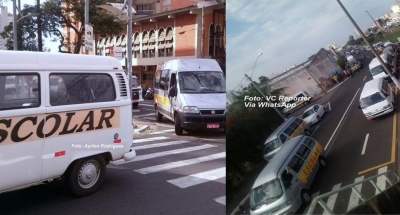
x=212 y=125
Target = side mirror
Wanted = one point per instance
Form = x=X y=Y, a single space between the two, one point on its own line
x=172 y=92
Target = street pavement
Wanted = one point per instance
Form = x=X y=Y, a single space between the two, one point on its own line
x=170 y=175
x=356 y=148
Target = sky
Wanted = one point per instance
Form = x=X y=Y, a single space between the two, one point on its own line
x=288 y=32
x=47 y=43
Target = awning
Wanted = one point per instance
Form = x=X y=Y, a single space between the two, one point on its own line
x=152 y=37
x=145 y=40
x=118 y=43
x=168 y=45
x=162 y=38
x=137 y=48
x=151 y=47
x=123 y=49
x=161 y=46
x=123 y=42
x=145 y=47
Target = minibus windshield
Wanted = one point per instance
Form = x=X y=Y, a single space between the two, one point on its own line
x=270 y=146
x=308 y=113
x=377 y=70
x=371 y=100
x=265 y=194
x=202 y=82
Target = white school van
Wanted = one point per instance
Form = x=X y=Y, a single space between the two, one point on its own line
x=62 y=116
x=191 y=93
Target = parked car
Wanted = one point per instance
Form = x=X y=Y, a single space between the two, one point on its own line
x=314 y=114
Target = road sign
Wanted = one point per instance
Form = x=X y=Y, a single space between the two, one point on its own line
x=118 y=53
x=88 y=37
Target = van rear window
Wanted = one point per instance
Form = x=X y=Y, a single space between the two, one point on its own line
x=19 y=91
x=81 y=88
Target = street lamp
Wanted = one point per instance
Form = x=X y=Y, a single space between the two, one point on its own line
x=375 y=24
x=255 y=64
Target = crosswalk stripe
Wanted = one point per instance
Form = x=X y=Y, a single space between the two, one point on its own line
x=381 y=181
x=149 y=139
x=141 y=104
x=163 y=131
x=150 y=118
x=221 y=200
x=198 y=178
x=148 y=114
x=155 y=145
x=164 y=153
x=332 y=199
x=182 y=163
x=354 y=199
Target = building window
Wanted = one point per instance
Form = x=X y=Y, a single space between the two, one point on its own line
x=169 y=41
x=145 y=44
x=136 y=45
x=152 y=44
x=161 y=43
x=211 y=40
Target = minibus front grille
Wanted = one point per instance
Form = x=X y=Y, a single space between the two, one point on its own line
x=199 y=119
x=210 y=112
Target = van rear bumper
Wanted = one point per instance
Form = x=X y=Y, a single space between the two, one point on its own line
x=380 y=113
x=198 y=121
x=130 y=155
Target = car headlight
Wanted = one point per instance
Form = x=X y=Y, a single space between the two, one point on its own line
x=387 y=106
x=368 y=114
x=191 y=109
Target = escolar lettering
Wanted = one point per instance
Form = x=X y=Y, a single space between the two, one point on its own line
x=38 y=126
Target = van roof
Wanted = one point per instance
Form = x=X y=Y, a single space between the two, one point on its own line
x=275 y=133
x=192 y=64
x=270 y=171
x=371 y=87
x=21 y=60
x=374 y=63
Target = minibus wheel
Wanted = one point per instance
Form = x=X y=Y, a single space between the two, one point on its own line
x=307 y=132
x=159 y=116
x=322 y=162
x=178 y=128
x=135 y=105
x=305 y=196
x=86 y=175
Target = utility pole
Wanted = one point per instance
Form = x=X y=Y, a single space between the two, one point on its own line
x=202 y=32
x=86 y=21
x=279 y=113
x=39 y=23
x=387 y=69
x=15 y=24
x=129 y=46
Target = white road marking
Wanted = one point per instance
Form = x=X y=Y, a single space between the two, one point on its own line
x=150 y=146
x=147 y=109
x=167 y=166
x=365 y=144
x=149 y=114
x=312 y=198
x=141 y=104
x=332 y=199
x=354 y=199
x=163 y=131
x=330 y=139
x=314 y=130
x=199 y=178
x=381 y=181
x=135 y=111
x=149 y=139
x=150 y=118
x=221 y=200
x=365 y=78
x=165 y=125
x=337 y=86
x=329 y=104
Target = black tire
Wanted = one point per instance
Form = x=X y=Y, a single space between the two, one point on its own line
x=86 y=175
x=394 y=106
x=189 y=130
x=135 y=105
x=159 y=116
x=322 y=162
x=319 y=118
x=305 y=197
x=307 y=132
x=178 y=128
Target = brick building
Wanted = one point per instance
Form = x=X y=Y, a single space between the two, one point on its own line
x=169 y=29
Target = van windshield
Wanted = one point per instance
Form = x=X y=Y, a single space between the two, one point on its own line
x=265 y=194
x=371 y=100
x=201 y=82
x=308 y=113
x=376 y=70
x=272 y=145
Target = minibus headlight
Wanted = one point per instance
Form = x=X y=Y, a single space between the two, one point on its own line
x=190 y=109
x=387 y=106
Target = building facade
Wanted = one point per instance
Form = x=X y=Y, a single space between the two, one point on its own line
x=165 y=30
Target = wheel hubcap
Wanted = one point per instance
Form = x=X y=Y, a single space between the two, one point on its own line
x=89 y=174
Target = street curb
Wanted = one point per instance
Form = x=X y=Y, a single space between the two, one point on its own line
x=164 y=125
x=141 y=129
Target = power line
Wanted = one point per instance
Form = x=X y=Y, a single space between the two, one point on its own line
x=239 y=83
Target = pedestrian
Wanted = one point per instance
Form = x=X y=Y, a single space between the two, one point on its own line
x=345 y=73
x=335 y=77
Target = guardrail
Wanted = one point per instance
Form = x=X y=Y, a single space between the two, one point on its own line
x=319 y=198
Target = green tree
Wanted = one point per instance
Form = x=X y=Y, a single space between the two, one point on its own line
x=341 y=62
x=263 y=79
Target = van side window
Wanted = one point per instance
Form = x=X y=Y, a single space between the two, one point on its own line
x=173 y=80
x=296 y=163
x=300 y=95
x=19 y=91
x=164 y=80
x=283 y=138
x=309 y=143
x=298 y=121
x=157 y=78
x=70 y=88
x=288 y=131
x=303 y=152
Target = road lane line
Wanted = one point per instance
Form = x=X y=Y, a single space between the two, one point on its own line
x=221 y=200
x=354 y=199
x=167 y=166
x=337 y=86
x=135 y=111
x=147 y=109
x=365 y=144
x=163 y=131
x=149 y=114
x=150 y=118
x=393 y=154
x=164 y=153
x=329 y=104
x=332 y=199
x=341 y=119
x=314 y=130
x=150 y=146
x=199 y=178
x=149 y=139
x=381 y=181
x=365 y=78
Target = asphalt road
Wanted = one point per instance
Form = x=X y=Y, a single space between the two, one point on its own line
x=350 y=155
x=182 y=185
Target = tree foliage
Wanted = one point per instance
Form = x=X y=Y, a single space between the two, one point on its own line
x=341 y=62
x=247 y=129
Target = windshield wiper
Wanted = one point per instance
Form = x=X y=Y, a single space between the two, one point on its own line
x=197 y=77
x=265 y=201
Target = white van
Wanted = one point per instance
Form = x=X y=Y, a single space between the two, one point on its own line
x=67 y=117
x=191 y=93
x=376 y=69
x=297 y=100
x=377 y=98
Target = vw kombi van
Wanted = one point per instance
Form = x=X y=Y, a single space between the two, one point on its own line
x=191 y=93
x=66 y=117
